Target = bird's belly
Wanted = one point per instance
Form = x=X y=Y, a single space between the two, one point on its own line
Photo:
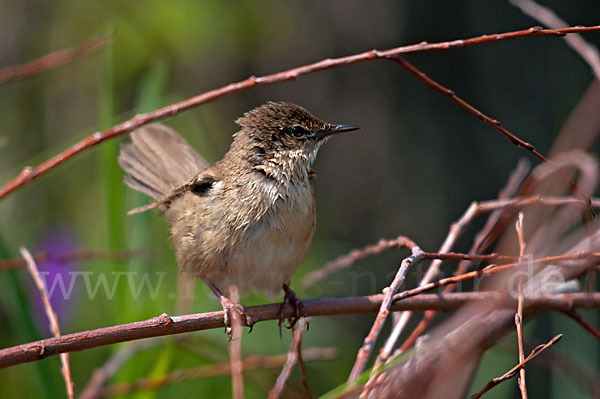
x=270 y=250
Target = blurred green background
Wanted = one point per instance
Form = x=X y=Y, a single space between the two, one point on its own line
x=415 y=166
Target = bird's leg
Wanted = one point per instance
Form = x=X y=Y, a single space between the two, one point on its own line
x=290 y=298
x=229 y=307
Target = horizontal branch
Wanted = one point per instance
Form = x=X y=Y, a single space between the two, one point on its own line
x=75 y=256
x=165 y=325
x=30 y=173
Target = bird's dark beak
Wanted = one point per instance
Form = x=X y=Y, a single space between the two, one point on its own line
x=335 y=129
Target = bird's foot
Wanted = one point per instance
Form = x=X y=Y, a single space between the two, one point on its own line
x=234 y=313
x=290 y=298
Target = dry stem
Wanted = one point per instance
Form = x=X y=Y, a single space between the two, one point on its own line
x=519 y=314
x=64 y=357
x=235 y=348
x=519 y=325
x=365 y=351
x=512 y=372
x=293 y=356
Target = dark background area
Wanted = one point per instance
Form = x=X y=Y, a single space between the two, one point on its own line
x=415 y=166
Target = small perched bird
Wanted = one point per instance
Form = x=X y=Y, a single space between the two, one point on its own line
x=248 y=220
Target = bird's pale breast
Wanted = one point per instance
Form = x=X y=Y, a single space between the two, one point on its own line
x=258 y=248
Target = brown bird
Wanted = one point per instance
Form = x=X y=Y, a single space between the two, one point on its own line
x=248 y=220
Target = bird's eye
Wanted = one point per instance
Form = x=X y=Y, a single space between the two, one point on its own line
x=297 y=131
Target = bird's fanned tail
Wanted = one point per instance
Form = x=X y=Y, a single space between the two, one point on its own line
x=158 y=161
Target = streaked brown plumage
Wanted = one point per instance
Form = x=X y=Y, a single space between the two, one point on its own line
x=247 y=220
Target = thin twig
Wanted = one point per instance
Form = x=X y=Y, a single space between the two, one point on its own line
x=547 y=17
x=478 y=114
x=489 y=270
x=369 y=343
x=519 y=314
x=235 y=348
x=519 y=325
x=64 y=357
x=292 y=358
x=249 y=363
x=349 y=259
x=303 y=373
x=30 y=173
x=513 y=372
x=76 y=256
x=567 y=364
x=519 y=229
x=166 y=325
x=584 y=323
x=51 y=60
x=534 y=200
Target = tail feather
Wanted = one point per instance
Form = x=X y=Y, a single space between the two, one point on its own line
x=158 y=160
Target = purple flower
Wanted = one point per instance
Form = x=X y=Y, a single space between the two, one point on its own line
x=58 y=278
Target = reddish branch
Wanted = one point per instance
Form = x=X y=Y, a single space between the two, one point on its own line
x=478 y=114
x=584 y=323
x=165 y=325
x=51 y=60
x=294 y=356
x=28 y=174
x=513 y=372
x=490 y=121
x=352 y=257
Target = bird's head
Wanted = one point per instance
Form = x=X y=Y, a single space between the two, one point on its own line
x=283 y=134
